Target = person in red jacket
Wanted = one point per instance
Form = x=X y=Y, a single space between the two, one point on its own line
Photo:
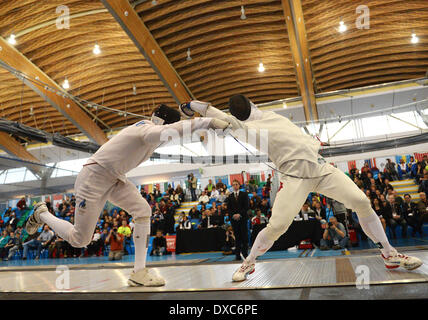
x=22 y=204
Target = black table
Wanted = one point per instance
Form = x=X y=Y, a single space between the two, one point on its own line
x=200 y=240
x=298 y=231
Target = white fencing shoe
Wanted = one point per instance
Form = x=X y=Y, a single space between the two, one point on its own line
x=396 y=260
x=34 y=222
x=144 y=278
x=244 y=270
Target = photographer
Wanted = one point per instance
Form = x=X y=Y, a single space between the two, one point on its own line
x=115 y=239
x=192 y=185
x=334 y=236
x=229 y=245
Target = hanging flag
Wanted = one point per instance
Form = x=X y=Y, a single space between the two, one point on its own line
x=351 y=165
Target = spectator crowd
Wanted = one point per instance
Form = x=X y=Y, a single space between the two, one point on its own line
x=113 y=233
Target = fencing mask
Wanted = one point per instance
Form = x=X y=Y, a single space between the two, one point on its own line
x=243 y=109
x=165 y=115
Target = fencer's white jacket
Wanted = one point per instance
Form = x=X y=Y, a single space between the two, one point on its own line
x=135 y=144
x=291 y=150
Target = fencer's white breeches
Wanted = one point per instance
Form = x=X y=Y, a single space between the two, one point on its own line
x=290 y=199
x=93 y=187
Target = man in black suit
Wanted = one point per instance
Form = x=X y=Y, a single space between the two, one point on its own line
x=237 y=204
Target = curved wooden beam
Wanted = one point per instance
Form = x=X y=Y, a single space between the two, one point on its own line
x=13 y=58
x=131 y=23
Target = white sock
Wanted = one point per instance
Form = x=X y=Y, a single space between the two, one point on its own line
x=372 y=227
x=141 y=236
x=61 y=227
x=260 y=246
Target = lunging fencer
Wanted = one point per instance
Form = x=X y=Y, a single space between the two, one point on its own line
x=103 y=178
x=302 y=170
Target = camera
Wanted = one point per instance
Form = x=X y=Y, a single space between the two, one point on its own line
x=330 y=224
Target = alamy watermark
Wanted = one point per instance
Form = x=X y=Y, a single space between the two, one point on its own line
x=63 y=20
x=362 y=280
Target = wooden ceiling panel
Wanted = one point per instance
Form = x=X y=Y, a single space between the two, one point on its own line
x=223 y=46
x=378 y=54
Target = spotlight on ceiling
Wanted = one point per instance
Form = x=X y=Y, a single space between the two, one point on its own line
x=97 y=49
x=12 y=39
x=66 y=84
x=189 y=58
x=261 y=67
x=415 y=39
x=342 y=27
x=243 y=16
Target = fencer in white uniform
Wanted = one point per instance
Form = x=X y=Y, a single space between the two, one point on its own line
x=103 y=178
x=302 y=170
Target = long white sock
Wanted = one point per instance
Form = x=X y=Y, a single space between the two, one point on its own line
x=61 y=227
x=260 y=246
x=141 y=235
x=372 y=227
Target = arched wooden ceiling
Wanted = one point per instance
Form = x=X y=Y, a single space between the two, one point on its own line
x=225 y=52
x=360 y=57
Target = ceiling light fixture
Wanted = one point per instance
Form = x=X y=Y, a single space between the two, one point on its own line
x=261 y=67
x=189 y=58
x=415 y=39
x=66 y=84
x=12 y=39
x=243 y=16
x=342 y=27
x=97 y=49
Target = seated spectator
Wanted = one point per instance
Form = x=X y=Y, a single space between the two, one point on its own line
x=22 y=204
x=306 y=212
x=229 y=245
x=259 y=218
x=222 y=197
x=96 y=243
x=403 y=170
x=424 y=182
x=204 y=199
x=42 y=242
x=7 y=241
x=379 y=208
x=319 y=211
x=174 y=197
x=206 y=220
x=265 y=207
x=394 y=217
x=220 y=186
x=157 y=221
x=422 y=209
x=412 y=167
x=12 y=222
x=159 y=244
x=57 y=246
x=409 y=211
x=334 y=236
x=115 y=240
x=185 y=224
x=127 y=233
x=216 y=218
x=194 y=213
x=249 y=187
x=214 y=194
